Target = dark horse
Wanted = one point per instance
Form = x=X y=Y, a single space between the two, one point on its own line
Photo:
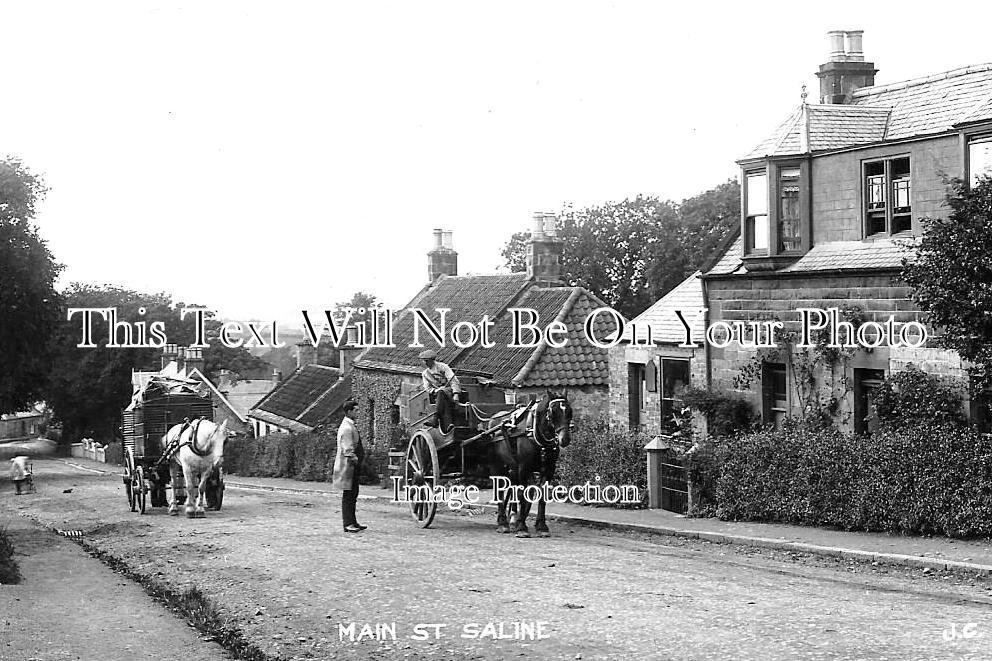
x=527 y=454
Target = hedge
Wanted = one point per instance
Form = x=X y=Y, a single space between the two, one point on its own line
x=599 y=453
x=307 y=457
x=927 y=477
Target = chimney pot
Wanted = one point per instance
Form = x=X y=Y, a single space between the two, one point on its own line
x=438 y=240
x=446 y=239
x=537 y=226
x=550 y=225
x=852 y=40
x=837 y=52
x=276 y=375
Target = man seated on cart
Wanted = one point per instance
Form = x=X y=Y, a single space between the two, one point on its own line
x=443 y=388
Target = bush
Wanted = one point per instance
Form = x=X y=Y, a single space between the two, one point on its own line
x=725 y=414
x=599 y=453
x=914 y=395
x=929 y=477
x=9 y=572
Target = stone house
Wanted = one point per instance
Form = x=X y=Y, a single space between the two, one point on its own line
x=831 y=203
x=649 y=370
x=384 y=378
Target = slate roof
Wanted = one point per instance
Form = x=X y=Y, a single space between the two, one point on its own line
x=918 y=107
x=247 y=393
x=830 y=256
x=687 y=296
x=296 y=402
x=853 y=255
x=730 y=261
x=470 y=297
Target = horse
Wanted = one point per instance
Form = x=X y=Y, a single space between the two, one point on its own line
x=197 y=448
x=529 y=445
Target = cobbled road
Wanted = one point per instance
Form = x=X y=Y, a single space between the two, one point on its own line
x=280 y=568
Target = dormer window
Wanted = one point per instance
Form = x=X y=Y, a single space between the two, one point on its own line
x=756 y=212
x=887 y=194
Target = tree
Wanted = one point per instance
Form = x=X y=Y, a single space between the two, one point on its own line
x=88 y=387
x=29 y=304
x=951 y=275
x=631 y=253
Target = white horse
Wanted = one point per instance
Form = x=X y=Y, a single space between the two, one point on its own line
x=197 y=457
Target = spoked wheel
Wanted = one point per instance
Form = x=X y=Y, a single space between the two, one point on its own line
x=422 y=470
x=129 y=477
x=140 y=488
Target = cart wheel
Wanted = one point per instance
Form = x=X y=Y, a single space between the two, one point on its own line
x=421 y=469
x=129 y=478
x=140 y=488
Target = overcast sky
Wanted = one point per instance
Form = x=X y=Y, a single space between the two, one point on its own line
x=265 y=158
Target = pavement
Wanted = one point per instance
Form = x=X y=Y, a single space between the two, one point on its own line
x=936 y=553
x=70 y=606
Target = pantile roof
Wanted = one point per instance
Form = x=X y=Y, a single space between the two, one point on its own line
x=468 y=298
x=919 y=107
x=579 y=362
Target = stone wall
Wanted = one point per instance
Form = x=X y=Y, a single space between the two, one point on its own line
x=756 y=297
x=622 y=356
x=376 y=391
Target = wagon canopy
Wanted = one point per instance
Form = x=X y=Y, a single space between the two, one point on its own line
x=158 y=386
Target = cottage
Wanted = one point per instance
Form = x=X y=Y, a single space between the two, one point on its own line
x=384 y=378
x=832 y=201
x=650 y=368
x=311 y=398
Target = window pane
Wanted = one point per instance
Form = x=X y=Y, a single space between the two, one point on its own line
x=675 y=377
x=757 y=233
x=788 y=224
x=757 y=194
x=979 y=159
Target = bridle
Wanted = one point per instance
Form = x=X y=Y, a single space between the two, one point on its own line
x=544 y=432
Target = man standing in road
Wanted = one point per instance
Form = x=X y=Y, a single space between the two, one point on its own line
x=347 y=465
x=443 y=387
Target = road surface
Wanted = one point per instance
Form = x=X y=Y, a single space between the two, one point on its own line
x=282 y=571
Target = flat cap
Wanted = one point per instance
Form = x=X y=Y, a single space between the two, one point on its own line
x=427 y=353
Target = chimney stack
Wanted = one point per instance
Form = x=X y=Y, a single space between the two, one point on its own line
x=306 y=354
x=845 y=70
x=194 y=359
x=544 y=251
x=170 y=353
x=276 y=375
x=442 y=259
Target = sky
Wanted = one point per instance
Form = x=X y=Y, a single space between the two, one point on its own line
x=265 y=158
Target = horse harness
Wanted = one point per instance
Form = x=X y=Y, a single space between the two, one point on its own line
x=175 y=444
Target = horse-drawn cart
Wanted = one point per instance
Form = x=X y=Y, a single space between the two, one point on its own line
x=156 y=407
x=490 y=437
x=432 y=457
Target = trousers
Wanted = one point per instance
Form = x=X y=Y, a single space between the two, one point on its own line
x=349 y=499
x=444 y=411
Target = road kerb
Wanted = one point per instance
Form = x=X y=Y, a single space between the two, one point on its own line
x=896 y=559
